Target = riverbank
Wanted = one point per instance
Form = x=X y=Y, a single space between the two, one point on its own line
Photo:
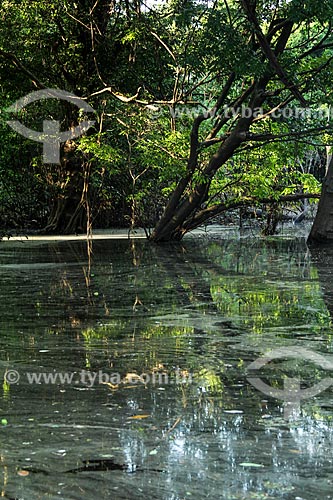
x=286 y=230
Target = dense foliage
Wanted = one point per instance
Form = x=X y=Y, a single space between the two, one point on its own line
x=200 y=107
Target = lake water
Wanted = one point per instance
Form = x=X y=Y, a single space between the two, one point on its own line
x=155 y=342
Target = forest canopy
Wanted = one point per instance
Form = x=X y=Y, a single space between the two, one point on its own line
x=200 y=107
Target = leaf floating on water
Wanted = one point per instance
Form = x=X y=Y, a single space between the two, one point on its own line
x=61 y=452
x=23 y=472
x=158 y=367
x=132 y=377
x=250 y=464
x=114 y=387
x=138 y=417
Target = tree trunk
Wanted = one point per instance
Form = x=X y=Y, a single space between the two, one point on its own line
x=179 y=215
x=322 y=228
x=68 y=216
x=187 y=208
x=68 y=209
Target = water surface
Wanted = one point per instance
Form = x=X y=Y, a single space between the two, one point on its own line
x=196 y=314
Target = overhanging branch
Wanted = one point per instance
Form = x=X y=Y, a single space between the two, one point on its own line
x=210 y=212
x=297 y=134
x=266 y=48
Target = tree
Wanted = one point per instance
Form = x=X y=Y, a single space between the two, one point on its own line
x=322 y=228
x=273 y=55
x=76 y=47
x=189 y=98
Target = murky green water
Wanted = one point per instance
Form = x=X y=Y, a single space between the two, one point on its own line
x=188 y=320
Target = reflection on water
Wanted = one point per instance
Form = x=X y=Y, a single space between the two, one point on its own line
x=196 y=314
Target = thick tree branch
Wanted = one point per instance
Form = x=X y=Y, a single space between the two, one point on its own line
x=210 y=212
x=275 y=27
x=320 y=45
x=117 y=95
x=160 y=41
x=193 y=157
x=299 y=133
x=222 y=120
x=270 y=55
